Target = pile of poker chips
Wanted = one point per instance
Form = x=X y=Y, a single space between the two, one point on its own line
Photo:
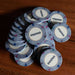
x=32 y=36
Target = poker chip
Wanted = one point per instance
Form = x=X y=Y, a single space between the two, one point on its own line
x=16 y=43
x=11 y=34
x=47 y=43
x=14 y=33
x=51 y=60
x=18 y=25
x=26 y=23
x=25 y=52
x=16 y=30
x=61 y=32
x=57 y=17
x=21 y=21
x=13 y=49
x=41 y=13
x=24 y=61
x=12 y=40
x=29 y=18
x=35 y=34
x=15 y=38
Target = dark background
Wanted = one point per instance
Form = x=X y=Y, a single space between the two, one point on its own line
x=9 y=10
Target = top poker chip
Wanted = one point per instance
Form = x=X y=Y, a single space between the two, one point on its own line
x=35 y=34
x=41 y=13
x=57 y=17
x=61 y=32
x=51 y=60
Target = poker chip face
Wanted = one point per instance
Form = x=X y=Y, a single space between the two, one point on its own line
x=54 y=18
x=24 y=61
x=57 y=17
x=35 y=34
x=51 y=60
x=37 y=31
x=61 y=32
x=41 y=13
x=25 y=52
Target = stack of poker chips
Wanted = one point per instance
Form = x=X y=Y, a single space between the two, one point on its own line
x=32 y=37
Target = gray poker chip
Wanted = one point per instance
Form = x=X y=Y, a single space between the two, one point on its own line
x=16 y=30
x=21 y=21
x=11 y=41
x=51 y=60
x=35 y=34
x=15 y=38
x=24 y=61
x=57 y=17
x=16 y=43
x=12 y=49
x=27 y=51
x=28 y=17
x=48 y=43
x=41 y=13
x=25 y=22
x=61 y=32
x=18 y=25
x=14 y=33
